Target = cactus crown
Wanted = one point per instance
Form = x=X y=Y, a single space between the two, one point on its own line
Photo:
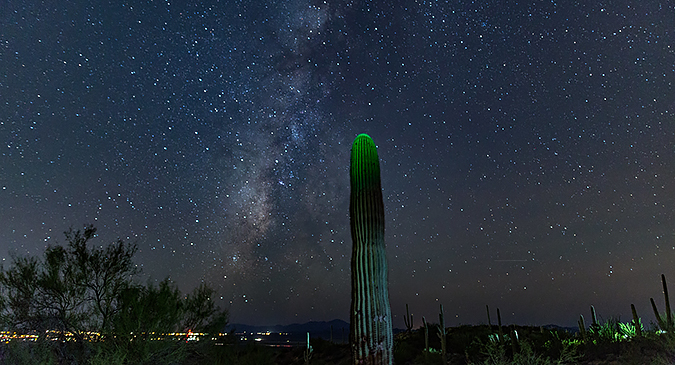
x=365 y=165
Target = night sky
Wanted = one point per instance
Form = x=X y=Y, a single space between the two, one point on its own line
x=527 y=148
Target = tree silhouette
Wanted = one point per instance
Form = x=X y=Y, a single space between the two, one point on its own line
x=73 y=289
x=106 y=272
x=79 y=287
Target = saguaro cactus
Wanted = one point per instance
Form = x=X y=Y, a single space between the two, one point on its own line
x=442 y=335
x=666 y=324
x=408 y=319
x=582 y=327
x=371 y=330
x=499 y=321
x=636 y=322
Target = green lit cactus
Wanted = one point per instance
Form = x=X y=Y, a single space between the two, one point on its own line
x=636 y=321
x=582 y=327
x=371 y=331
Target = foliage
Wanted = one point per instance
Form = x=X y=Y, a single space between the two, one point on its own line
x=606 y=332
x=78 y=289
x=628 y=330
x=106 y=271
x=19 y=288
x=73 y=289
x=495 y=352
x=148 y=310
x=613 y=330
x=26 y=353
x=201 y=313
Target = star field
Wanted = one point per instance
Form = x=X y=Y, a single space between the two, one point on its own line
x=527 y=149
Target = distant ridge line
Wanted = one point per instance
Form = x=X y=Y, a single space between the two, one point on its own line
x=323 y=328
x=311 y=327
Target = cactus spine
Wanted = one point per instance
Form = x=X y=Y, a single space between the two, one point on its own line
x=371 y=330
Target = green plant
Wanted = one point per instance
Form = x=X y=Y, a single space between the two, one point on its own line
x=610 y=331
x=569 y=352
x=371 y=327
x=565 y=350
x=528 y=356
x=630 y=330
x=494 y=353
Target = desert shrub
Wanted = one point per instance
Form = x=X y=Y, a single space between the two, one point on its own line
x=27 y=353
x=77 y=288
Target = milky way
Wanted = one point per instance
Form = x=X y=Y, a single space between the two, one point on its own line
x=527 y=149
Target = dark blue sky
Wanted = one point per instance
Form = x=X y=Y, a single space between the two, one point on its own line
x=527 y=148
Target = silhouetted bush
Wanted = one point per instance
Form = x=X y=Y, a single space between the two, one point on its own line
x=84 y=305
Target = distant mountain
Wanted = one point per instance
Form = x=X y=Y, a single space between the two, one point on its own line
x=555 y=326
x=315 y=328
x=322 y=329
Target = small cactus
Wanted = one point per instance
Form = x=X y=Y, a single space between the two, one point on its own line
x=426 y=336
x=514 y=340
x=582 y=328
x=666 y=324
x=636 y=321
x=594 y=328
x=487 y=308
x=669 y=314
x=408 y=319
x=442 y=333
x=501 y=332
x=594 y=318
x=308 y=351
x=659 y=320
